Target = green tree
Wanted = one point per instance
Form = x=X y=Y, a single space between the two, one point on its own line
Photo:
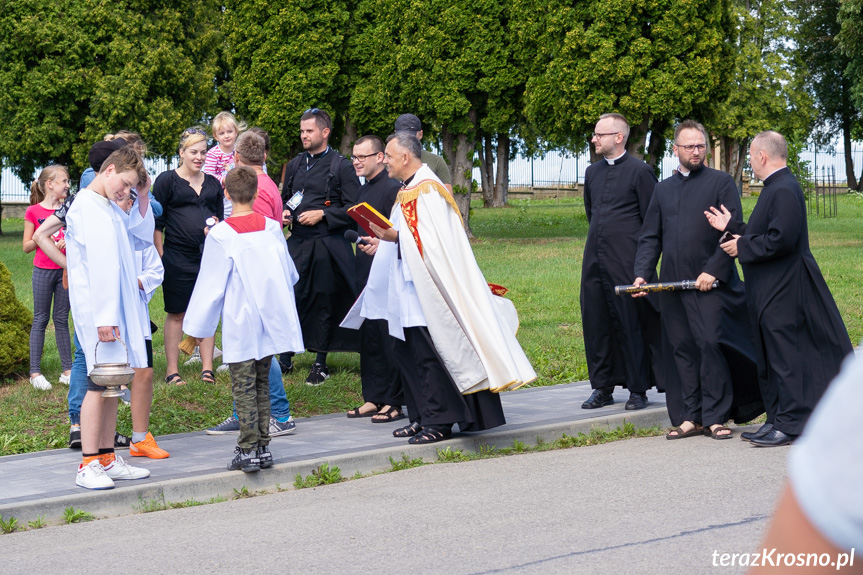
x=654 y=62
x=284 y=57
x=447 y=61
x=73 y=70
x=767 y=86
x=827 y=82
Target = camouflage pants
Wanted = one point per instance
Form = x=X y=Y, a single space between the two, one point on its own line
x=250 y=385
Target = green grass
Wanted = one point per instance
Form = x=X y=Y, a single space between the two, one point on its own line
x=534 y=248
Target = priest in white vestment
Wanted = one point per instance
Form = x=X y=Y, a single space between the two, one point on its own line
x=455 y=339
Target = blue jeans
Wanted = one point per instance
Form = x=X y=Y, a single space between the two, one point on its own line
x=280 y=408
x=77 y=383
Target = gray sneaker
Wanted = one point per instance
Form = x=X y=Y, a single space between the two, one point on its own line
x=278 y=428
x=265 y=457
x=227 y=427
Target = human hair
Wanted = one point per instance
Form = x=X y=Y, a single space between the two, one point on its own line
x=132 y=138
x=126 y=159
x=321 y=118
x=190 y=137
x=621 y=121
x=773 y=143
x=409 y=142
x=224 y=119
x=242 y=185
x=250 y=148
x=689 y=125
x=263 y=134
x=377 y=143
x=49 y=173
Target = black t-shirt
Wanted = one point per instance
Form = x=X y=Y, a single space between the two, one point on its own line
x=186 y=212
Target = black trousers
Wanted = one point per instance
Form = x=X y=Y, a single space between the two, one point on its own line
x=431 y=395
x=692 y=321
x=380 y=375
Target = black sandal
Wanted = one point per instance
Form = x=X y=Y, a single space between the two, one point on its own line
x=408 y=430
x=432 y=434
x=207 y=376
x=355 y=412
x=174 y=379
x=392 y=414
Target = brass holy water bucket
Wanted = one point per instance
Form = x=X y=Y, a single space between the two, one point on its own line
x=112 y=375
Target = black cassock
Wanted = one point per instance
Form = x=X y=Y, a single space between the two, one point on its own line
x=799 y=333
x=381 y=378
x=618 y=331
x=324 y=259
x=708 y=332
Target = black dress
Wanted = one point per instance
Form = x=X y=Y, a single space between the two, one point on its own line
x=709 y=334
x=182 y=223
x=800 y=335
x=618 y=331
x=324 y=259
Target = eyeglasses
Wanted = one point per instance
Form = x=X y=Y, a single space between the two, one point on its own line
x=312 y=111
x=362 y=158
x=699 y=147
x=598 y=135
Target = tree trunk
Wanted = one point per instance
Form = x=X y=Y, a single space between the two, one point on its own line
x=501 y=185
x=637 y=138
x=457 y=148
x=853 y=184
x=486 y=164
x=349 y=137
x=656 y=147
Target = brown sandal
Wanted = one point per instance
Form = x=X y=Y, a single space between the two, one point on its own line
x=680 y=434
x=715 y=435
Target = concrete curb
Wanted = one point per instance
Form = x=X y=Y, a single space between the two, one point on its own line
x=128 y=499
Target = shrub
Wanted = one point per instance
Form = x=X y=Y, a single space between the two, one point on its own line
x=15 y=322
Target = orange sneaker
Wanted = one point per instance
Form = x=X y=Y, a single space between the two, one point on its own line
x=148 y=448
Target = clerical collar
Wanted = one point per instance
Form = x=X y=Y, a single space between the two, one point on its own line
x=773 y=172
x=612 y=160
x=683 y=171
x=316 y=156
x=407 y=182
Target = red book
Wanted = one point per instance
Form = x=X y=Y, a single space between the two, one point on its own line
x=364 y=214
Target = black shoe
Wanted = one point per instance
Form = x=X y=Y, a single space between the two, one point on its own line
x=636 y=401
x=246 y=461
x=773 y=438
x=286 y=364
x=599 y=398
x=762 y=431
x=265 y=456
x=121 y=441
x=75 y=438
x=318 y=374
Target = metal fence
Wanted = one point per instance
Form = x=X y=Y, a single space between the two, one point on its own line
x=552 y=170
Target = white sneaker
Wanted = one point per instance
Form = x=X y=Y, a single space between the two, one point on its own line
x=93 y=476
x=222 y=368
x=196 y=357
x=119 y=469
x=40 y=383
x=217 y=353
x=64 y=379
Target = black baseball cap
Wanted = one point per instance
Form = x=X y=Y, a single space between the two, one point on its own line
x=408 y=123
x=101 y=150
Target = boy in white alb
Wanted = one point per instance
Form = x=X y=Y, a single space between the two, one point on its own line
x=103 y=293
x=247 y=278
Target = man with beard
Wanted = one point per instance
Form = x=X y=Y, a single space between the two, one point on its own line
x=800 y=335
x=379 y=374
x=320 y=185
x=707 y=329
x=617 y=191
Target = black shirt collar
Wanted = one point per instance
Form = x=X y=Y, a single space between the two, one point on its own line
x=317 y=156
x=776 y=174
x=379 y=177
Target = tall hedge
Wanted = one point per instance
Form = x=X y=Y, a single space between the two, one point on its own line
x=15 y=322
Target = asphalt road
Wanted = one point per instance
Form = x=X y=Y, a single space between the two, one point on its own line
x=637 y=506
